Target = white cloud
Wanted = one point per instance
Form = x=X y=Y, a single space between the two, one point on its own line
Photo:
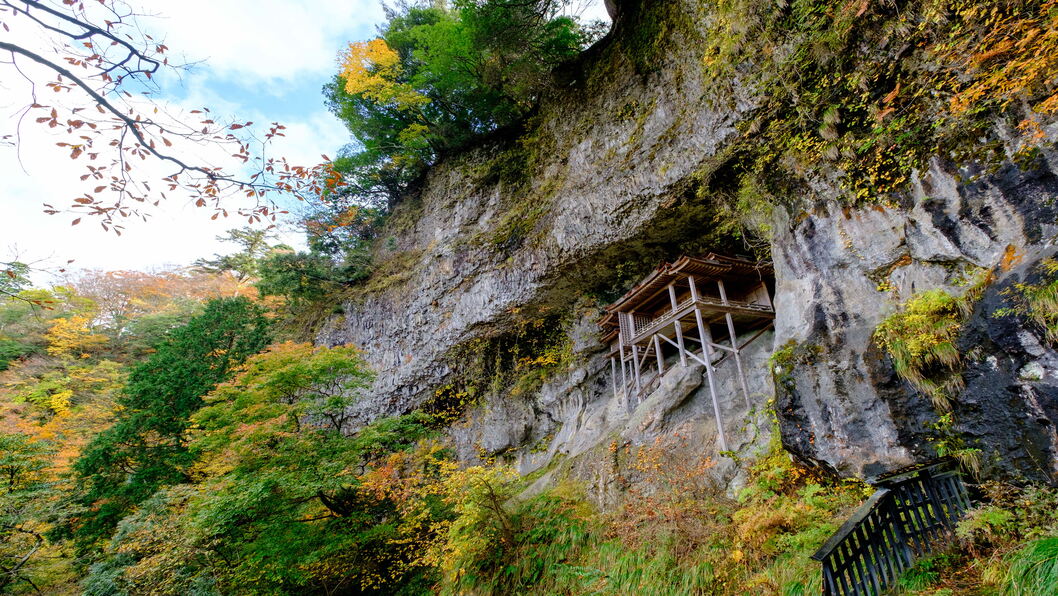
x=265 y=41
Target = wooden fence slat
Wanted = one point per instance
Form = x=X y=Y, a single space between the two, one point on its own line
x=869 y=560
x=900 y=522
x=878 y=548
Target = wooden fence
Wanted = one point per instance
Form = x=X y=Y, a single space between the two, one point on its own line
x=900 y=522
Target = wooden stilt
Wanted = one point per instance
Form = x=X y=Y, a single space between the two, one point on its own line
x=734 y=345
x=678 y=326
x=635 y=368
x=613 y=376
x=640 y=323
x=657 y=352
x=707 y=352
x=679 y=342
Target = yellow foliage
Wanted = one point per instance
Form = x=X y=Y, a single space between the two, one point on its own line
x=921 y=339
x=73 y=335
x=60 y=402
x=372 y=69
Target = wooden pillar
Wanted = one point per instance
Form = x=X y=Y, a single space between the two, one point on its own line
x=624 y=373
x=657 y=353
x=734 y=344
x=707 y=352
x=703 y=332
x=678 y=326
x=613 y=376
x=635 y=367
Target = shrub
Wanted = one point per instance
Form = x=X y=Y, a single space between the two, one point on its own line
x=920 y=339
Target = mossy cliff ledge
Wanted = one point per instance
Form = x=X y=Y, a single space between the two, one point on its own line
x=646 y=152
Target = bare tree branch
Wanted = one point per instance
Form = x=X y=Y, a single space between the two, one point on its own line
x=109 y=53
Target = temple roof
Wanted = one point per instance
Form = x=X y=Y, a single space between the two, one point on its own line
x=711 y=267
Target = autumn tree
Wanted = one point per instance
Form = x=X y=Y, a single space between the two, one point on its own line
x=136 y=309
x=89 y=72
x=146 y=448
x=72 y=337
x=26 y=316
x=276 y=490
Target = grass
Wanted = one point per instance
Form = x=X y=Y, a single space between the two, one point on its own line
x=920 y=339
x=1006 y=546
x=675 y=533
x=1039 y=301
x=1033 y=569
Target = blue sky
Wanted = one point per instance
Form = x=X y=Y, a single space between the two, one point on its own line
x=262 y=60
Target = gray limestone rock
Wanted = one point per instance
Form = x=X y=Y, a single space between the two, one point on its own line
x=608 y=192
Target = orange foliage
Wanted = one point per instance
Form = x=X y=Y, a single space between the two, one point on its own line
x=671 y=491
x=121 y=295
x=1016 y=60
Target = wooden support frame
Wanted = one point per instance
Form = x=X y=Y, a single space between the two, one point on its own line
x=635 y=367
x=660 y=357
x=621 y=352
x=646 y=321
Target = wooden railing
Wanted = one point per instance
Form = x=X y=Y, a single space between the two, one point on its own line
x=643 y=327
x=899 y=523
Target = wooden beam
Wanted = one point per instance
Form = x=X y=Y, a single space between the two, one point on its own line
x=613 y=376
x=758 y=334
x=693 y=338
x=689 y=353
x=738 y=360
x=712 y=389
x=635 y=364
x=640 y=334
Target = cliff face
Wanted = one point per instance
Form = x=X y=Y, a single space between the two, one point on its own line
x=840 y=272
x=608 y=182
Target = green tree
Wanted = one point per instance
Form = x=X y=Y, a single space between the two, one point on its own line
x=277 y=494
x=146 y=448
x=254 y=246
x=439 y=76
x=26 y=316
x=25 y=490
x=13 y=277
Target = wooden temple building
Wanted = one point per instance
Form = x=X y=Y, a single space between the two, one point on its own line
x=696 y=308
